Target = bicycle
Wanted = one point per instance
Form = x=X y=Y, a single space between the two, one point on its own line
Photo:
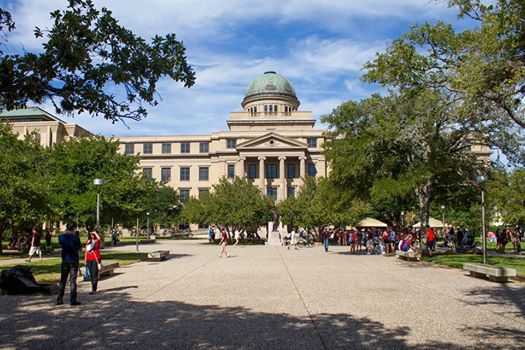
x=305 y=243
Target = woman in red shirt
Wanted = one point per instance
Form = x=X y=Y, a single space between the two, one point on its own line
x=93 y=259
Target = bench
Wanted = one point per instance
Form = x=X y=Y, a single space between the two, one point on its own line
x=108 y=269
x=146 y=241
x=158 y=255
x=494 y=273
x=407 y=256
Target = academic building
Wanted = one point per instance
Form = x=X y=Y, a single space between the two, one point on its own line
x=271 y=142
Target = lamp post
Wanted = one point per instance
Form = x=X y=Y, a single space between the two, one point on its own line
x=481 y=180
x=147 y=224
x=443 y=212
x=98 y=182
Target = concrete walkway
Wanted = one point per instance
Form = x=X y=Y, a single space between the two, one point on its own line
x=272 y=298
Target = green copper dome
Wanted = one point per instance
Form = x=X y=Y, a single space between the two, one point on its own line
x=270 y=84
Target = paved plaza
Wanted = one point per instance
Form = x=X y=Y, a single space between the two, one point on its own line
x=267 y=297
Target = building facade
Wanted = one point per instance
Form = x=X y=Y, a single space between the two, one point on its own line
x=271 y=142
x=47 y=128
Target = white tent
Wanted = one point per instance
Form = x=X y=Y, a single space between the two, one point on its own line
x=369 y=222
x=432 y=222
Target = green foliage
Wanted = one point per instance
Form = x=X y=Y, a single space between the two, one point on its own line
x=507 y=194
x=320 y=202
x=164 y=206
x=235 y=204
x=400 y=151
x=86 y=57
x=77 y=162
x=481 y=71
x=24 y=189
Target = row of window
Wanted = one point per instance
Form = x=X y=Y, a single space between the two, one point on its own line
x=270 y=192
x=271 y=109
x=204 y=147
x=147 y=148
x=204 y=172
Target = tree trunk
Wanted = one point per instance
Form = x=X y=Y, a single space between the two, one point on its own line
x=423 y=193
x=3 y=227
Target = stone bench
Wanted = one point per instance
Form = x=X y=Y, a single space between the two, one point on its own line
x=108 y=269
x=407 y=256
x=494 y=273
x=158 y=255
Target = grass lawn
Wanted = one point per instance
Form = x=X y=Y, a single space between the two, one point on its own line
x=457 y=260
x=48 y=271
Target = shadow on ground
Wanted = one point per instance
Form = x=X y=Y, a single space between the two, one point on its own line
x=111 y=320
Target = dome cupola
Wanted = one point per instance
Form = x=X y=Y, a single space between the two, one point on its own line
x=270 y=87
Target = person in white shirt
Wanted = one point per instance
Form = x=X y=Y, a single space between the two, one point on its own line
x=293 y=241
x=237 y=237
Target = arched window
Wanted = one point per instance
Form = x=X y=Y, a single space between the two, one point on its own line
x=275 y=109
x=265 y=109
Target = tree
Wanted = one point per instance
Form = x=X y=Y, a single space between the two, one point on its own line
x=24 y=187
x=87 y=56
x=404 y=146
x=321 y=202
x=233 y=204
x=480 y=70
x=77 y=162
x=164 y=205
x=506 y=192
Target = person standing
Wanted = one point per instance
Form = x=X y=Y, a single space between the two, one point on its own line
x=92 y=259
x=431 y=239
x=35 y=244
x=48 y=240
x=70 y=244
x=224 y=243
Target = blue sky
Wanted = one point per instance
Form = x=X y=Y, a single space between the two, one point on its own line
x=319 y=45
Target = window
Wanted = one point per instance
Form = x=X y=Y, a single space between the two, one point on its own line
x=148 y=173
x=203 y=192
x=312 y=142
x=311 y=169
x=204 y=173
x=129 y=148
x=291 y=191
x=184 y=194
x=166 y=148
x=271 y=171
x=204 y=147
x=38 y=137
x=265 y=109
x=231 y=143
x=185 y=147
x=290 y=171
x=147 y=148
x=272 y=193
x=231 y=171
x=252 y=171
x=165 y=174
x=184 y=174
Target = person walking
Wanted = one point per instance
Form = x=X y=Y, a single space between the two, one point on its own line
x=224 y=243
x=237 y=236
x=326 y=238
x=35 y=244
x=70 y=244
x=293 y=240
x=93 y=259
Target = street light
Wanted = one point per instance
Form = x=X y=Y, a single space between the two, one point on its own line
x=147 y=224
x=443 y=212
x=481 y=180
x=98 y=182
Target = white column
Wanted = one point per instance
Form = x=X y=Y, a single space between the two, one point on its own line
x=282 y=178
x=302 y=167
x=242 y=172
x=261 y=173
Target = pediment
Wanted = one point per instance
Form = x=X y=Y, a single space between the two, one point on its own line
x=272 y=140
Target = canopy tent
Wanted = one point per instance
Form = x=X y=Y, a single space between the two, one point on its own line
x=432 y=222
x=369 y=222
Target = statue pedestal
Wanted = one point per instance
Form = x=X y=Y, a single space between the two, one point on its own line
x=273 y=238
